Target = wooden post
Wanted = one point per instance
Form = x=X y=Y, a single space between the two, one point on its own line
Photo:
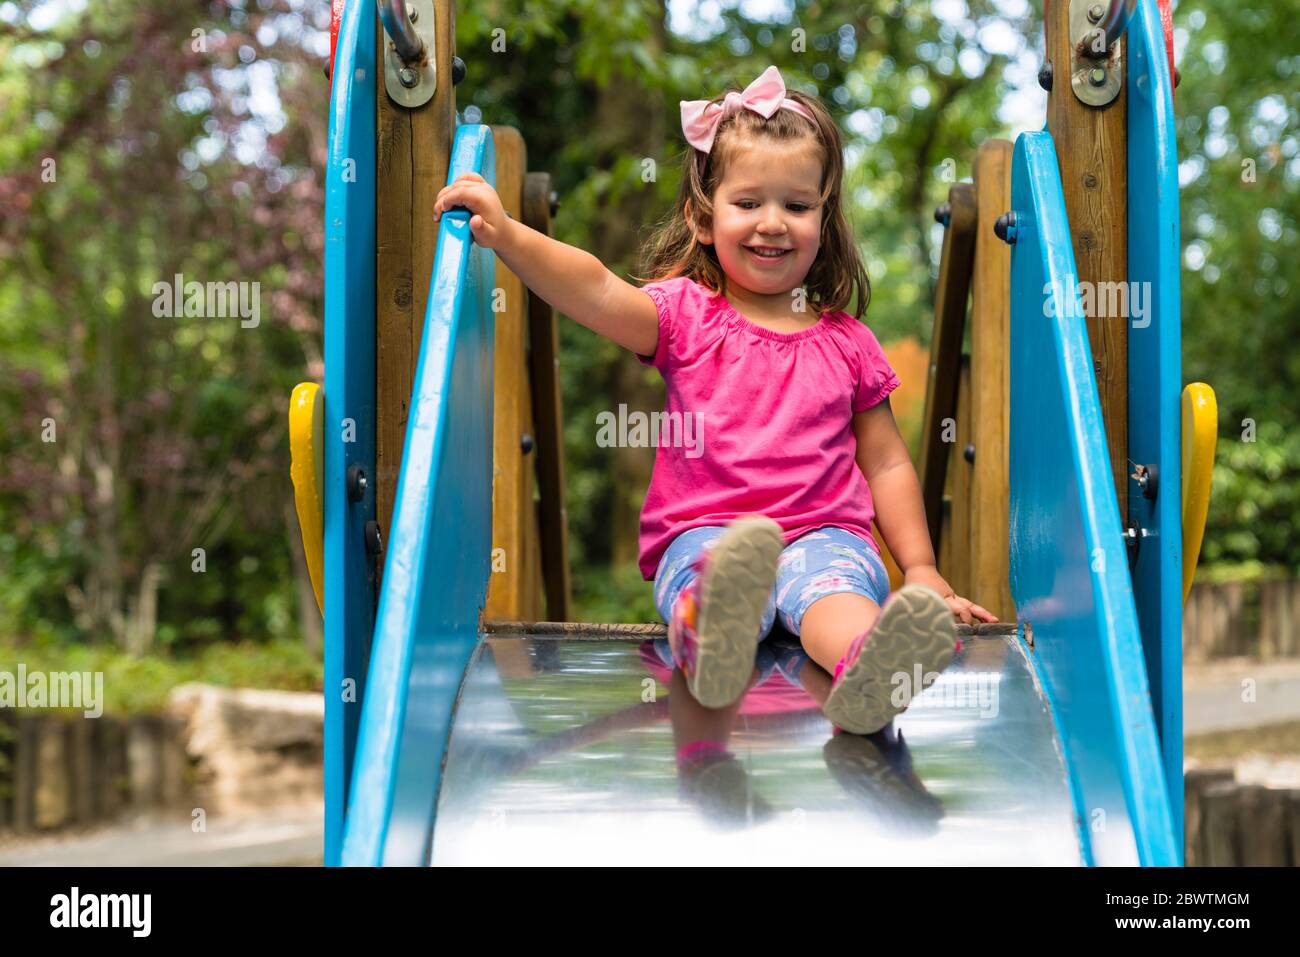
x=963 y=547
x=1195 y=783
x=945 y=352
x=990 y=338
x=513 y=593
x=1261 y=823
x=1219 y=843
x=1092 y=151
x=411 y=159
x=544 y=371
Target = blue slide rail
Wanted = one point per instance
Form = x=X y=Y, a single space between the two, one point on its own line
x=438 y=556
x=1155 y=382
x=349 y=430
x=1069 y=568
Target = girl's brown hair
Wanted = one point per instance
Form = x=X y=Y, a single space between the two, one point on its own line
x=837 y=277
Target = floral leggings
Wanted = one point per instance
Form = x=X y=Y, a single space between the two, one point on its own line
x=822 y=562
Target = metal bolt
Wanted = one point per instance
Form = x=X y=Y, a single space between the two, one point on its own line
x=969 y=453
x=414 y=14
x=374 y=540
x=408 y=77
x=1045 y=76
x=1097 y=76
x=1005 y=227
x=1146 y=478
x=457 y=70
x=357 y=483
x=1095 y=11
x=943 y=214
x=554 y=200
x=1131 y=542
x=526 y=443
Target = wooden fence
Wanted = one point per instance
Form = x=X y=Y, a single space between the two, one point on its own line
x=1258 y=619
x=58 y=771
x=1228 y=824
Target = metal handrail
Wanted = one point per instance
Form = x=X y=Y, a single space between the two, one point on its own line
x=1115 y=21
x=392 y=13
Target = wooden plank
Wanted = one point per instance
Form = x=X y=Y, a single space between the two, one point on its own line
x=1261 y=824
x=412 y=154
x=586 y=631
x=1219 y=840
x=23 y=809
x=945 y=351
x=990 y=384
x=514 y=523
x=548 y=418
x=1092 y=152
x=1195 y=782
x=963 y=548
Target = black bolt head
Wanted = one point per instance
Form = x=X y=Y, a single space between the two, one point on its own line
x=1045 y=76
x=457 y=70
x=374 y=541
x=1004 y=225
x=943 y=214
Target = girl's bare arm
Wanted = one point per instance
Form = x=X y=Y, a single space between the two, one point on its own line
x=900 y=511
x=572 y=280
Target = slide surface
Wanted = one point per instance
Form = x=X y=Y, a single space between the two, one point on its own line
x=562 y=752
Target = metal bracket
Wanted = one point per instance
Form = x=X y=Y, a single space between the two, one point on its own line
x=1096 y=70
x=413 y=84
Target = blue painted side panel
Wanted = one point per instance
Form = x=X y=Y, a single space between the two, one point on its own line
x=1155 y=382
x=438 y=559
x=1069 y=571
x=349 y=399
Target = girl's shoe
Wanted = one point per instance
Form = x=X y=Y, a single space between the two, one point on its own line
x=718 y=786
x=876 y=770
x=915 y=631
x=714 y=631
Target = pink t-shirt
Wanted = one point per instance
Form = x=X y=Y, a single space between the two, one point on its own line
x=770 y=426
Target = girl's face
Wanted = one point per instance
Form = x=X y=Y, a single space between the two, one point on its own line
x=767 y=222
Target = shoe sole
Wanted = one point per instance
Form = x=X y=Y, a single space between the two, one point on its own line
x=733 y=596
x=917 y=627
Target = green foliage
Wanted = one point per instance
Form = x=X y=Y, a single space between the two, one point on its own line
x=137 y=685
x=1238 y=109
x=1255 y=499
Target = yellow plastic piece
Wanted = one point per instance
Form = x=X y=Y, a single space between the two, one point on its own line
x=1200 y=433
x=306 y=466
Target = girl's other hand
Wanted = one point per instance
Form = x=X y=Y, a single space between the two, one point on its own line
x=963 y=609
x=488 y=221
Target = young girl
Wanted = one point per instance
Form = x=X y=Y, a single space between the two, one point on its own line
x=797 y=451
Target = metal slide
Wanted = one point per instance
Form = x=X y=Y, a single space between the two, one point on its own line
x=461 y=747
x=574 y=764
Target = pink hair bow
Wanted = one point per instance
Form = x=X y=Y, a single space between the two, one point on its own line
x=766 y=95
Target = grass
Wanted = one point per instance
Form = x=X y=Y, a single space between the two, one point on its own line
x=1276 y=739
x=141 y=685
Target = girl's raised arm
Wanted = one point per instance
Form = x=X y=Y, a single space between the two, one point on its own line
x=572 y=280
